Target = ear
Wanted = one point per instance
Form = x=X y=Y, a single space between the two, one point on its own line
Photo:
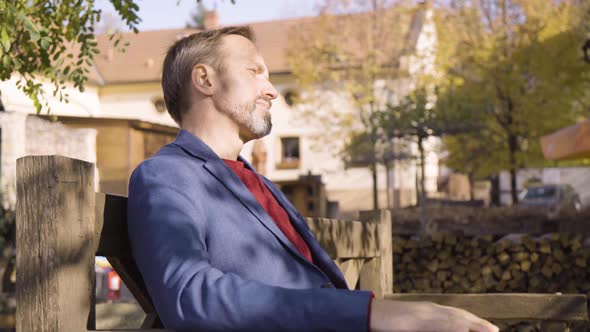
x=203 y=78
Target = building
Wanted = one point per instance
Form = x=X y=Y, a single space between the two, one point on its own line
x=123 y=105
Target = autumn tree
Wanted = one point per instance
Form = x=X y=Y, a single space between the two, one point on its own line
x=416 y=119
x=53 y=40
x=520 y=63
x=345 y=61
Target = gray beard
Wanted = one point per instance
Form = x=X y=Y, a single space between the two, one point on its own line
x=246 y=115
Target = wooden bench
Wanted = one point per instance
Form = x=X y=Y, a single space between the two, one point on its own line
x=62 y=223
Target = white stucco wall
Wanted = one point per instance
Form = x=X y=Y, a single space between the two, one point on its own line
x=85 y=104
x=133 y=102
x=23 y=135
x=126 y=101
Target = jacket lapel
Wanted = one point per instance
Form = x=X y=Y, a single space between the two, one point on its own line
x=231 y=181
x=321 y=257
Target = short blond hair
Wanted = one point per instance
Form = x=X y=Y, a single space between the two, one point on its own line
x=183 y=55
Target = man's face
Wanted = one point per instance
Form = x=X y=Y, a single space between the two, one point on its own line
x=246 y=94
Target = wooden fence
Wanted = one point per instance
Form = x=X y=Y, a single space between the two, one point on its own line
x=62 y=224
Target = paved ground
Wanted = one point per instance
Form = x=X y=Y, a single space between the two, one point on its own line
x=118 y=316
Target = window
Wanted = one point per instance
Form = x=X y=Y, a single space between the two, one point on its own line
x=291 y=97
x=159 y=104
x=289 y=153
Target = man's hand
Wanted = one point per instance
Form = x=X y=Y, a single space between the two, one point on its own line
x=401 y=316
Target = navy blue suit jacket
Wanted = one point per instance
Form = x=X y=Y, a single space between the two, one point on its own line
x=213 y=260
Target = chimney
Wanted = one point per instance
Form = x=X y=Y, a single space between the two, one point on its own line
x=211 y=20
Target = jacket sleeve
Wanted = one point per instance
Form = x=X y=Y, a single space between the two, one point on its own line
x=168 y=235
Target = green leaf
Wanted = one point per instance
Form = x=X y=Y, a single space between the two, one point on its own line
x=29 y=25
x=5 y=40
x=59 y=62
x=6 y=60
x=35 y=36
x=17 y=63
x=45 y=43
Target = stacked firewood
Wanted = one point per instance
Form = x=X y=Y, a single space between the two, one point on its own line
x=449 y=263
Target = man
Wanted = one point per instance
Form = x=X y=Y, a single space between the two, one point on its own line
x=220 y=247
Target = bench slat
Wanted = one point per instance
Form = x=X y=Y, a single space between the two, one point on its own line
x=134 y=330
x=510 y=306
x=111 y=226
x=112 y=234
x=346 y=239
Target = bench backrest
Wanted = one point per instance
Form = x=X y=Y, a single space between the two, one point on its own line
x=113 y=243
x=62 y=224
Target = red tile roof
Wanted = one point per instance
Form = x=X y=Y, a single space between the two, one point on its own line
x=142 y=61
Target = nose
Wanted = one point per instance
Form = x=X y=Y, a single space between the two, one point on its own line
x=270 y=92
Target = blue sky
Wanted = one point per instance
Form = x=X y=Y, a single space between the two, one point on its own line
x=169 y=14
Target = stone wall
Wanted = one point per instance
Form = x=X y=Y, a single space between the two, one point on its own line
x=24 y=134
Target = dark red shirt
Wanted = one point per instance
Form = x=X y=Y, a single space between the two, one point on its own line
x=266 y=199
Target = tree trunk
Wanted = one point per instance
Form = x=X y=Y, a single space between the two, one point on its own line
x=512 y=148
x=388 y=186
x=422 y=189
x=471 y=189
x=375 y=193
x=374 y=170
x=495 y=179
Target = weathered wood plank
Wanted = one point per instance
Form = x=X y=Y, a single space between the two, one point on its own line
x=130 y=275
x=351 y=268
x=134 y=330
x=511 y=306
x=111 y=226
x=346 y=239
x=377 y=273
x=150 y=320
x=54 y=231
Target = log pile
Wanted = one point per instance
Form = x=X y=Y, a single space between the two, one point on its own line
x=450 y=263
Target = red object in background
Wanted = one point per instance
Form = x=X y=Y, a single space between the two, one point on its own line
x=113 y=285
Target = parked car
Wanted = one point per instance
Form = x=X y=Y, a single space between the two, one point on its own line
x=556 y=198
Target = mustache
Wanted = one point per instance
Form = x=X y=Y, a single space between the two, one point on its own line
x=268 y=101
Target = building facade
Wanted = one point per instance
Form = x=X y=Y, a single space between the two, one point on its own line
x=123 y=105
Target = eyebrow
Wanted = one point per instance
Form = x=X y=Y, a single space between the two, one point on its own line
x=260 y=67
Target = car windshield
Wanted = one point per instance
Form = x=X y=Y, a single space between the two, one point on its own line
x=540 y=192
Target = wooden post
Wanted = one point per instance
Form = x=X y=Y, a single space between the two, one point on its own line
x=55 y=245
x=377 y=273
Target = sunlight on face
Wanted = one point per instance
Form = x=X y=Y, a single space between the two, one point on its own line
x=246 y=95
